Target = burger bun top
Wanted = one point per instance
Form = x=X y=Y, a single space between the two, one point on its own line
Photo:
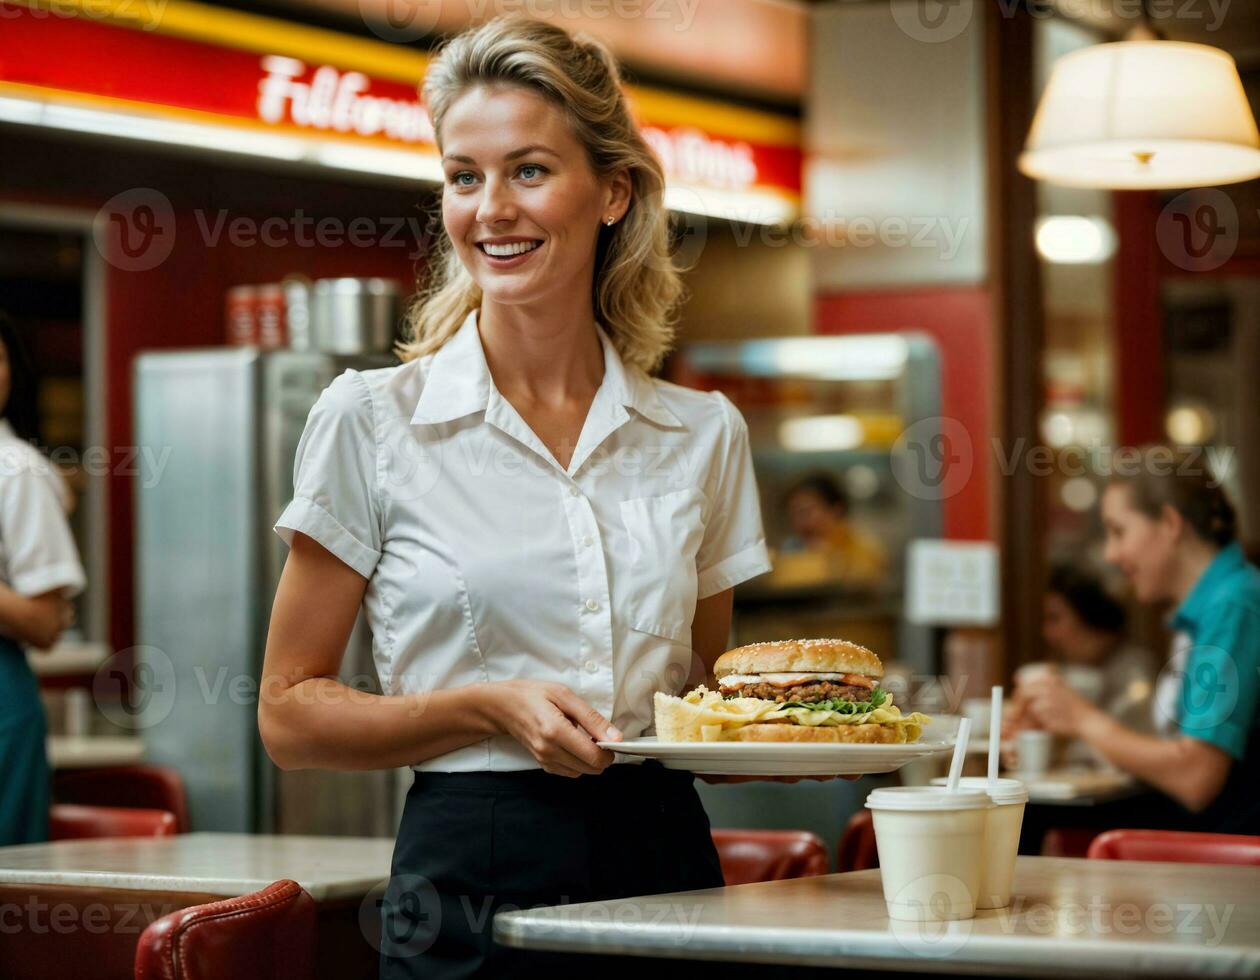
x=803 y=656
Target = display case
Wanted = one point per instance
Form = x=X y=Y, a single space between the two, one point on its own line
x=841 y=429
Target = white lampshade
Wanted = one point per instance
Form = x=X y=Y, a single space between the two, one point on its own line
x=1143 y=115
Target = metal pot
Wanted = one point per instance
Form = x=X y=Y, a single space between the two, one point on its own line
x=355 y=316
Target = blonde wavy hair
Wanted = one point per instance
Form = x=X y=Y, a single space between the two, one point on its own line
x=637 y=287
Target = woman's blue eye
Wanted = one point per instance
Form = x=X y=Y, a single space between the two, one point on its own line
x=528 y=171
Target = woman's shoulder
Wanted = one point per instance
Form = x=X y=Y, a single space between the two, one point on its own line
x=20 y=454
x=371 y=392
x=1239 y=594
x=23 y=469
x=694 y=407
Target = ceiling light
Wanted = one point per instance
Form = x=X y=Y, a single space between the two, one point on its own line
x=1070 y=239
x=1143 y=114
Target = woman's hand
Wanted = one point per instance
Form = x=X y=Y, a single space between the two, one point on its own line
x=556 y=725
x=37 y=621
x=1016 y=717
x=1055 y=706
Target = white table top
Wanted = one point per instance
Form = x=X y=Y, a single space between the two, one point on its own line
x=93 y=751
x=218 y=864
x=1069 y=917
x=68 y=657
x=1073 y=787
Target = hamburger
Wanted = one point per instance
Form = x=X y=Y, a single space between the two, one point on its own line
x=790 y=691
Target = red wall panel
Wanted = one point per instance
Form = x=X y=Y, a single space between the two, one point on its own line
x=960 y=320
x=179 y=303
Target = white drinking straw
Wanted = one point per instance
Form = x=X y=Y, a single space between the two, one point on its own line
x=995 y=732
x=960 y=753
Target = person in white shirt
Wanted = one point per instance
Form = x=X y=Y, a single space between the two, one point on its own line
x=542 y=535
x=39 y=574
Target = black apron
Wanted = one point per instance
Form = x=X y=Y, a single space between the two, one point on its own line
x=471 y=844
x=24 y=776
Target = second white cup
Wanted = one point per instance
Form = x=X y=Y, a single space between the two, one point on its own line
x=1001 y=836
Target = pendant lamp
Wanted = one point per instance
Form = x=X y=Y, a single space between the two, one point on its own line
x=1143 y=113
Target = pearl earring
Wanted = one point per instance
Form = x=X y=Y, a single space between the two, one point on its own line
x=609 y=220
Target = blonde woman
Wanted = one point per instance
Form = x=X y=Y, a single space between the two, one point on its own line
x=542 y=534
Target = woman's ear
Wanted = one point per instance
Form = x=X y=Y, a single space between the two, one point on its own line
x=1171 y=522
x=617 y=197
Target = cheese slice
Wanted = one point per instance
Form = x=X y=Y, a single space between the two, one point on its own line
x=791 y=680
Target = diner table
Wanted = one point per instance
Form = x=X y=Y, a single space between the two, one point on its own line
x=76 y=908
x=1079 y=787
x=1069 y=917
x=93 y=751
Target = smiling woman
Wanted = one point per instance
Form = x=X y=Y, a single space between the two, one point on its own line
x=526 y=599
x=540 y=153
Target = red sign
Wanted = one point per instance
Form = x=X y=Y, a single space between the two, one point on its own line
x=107 y=64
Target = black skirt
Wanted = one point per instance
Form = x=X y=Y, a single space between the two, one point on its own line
x=472 y=844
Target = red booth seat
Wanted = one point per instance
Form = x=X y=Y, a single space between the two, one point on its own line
x=1175 y=845
x=145 y=786
x=261 y=936
x=856 y=850
x=769 y=855
x=68 y=821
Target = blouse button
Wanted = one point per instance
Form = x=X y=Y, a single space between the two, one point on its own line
x=591 y=666
x=573 y=491
x=587 y=541
x=592 y=605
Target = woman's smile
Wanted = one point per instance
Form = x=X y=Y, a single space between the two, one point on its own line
x=508 y=253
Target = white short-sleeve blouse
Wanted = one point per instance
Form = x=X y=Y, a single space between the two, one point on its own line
x=487 y=561
x=37 y=550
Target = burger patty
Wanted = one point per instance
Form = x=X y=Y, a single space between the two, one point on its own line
x=808 y=692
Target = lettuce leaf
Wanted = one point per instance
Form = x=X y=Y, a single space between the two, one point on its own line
x=877 y=698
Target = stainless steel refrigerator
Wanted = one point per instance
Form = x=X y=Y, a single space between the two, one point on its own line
x=219 y=428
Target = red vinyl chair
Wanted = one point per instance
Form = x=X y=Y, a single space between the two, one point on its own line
x=1068 y=842
x=1176 y=845
x=69 y=821
x=856 y=850
x=146 y=786
x=769 y=855
x=262 y=936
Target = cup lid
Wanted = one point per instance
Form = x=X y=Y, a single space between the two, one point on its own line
x=927 y=798
x=1002 y=791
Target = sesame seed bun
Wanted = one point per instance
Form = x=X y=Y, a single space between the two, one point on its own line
x=773 y=732
x=807 y=656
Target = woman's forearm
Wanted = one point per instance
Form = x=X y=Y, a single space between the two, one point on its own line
x=1184 y=769
x=35 y=620
x=322 y=723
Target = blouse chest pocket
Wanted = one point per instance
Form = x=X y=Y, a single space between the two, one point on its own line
x=664 y=534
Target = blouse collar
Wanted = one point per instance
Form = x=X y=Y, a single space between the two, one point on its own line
x=458 y=381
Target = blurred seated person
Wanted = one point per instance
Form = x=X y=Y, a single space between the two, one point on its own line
x=818 y=511
x=1083 y=627
x=1172 y=530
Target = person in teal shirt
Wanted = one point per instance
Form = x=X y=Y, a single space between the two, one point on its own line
x=1173 y=532
x=39 y=573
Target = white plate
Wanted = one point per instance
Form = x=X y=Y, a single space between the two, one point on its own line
x=782 y=758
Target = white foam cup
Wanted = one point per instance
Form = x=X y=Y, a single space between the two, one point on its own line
x=1001 y=836
x=1034 y=749
x=931 y=850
